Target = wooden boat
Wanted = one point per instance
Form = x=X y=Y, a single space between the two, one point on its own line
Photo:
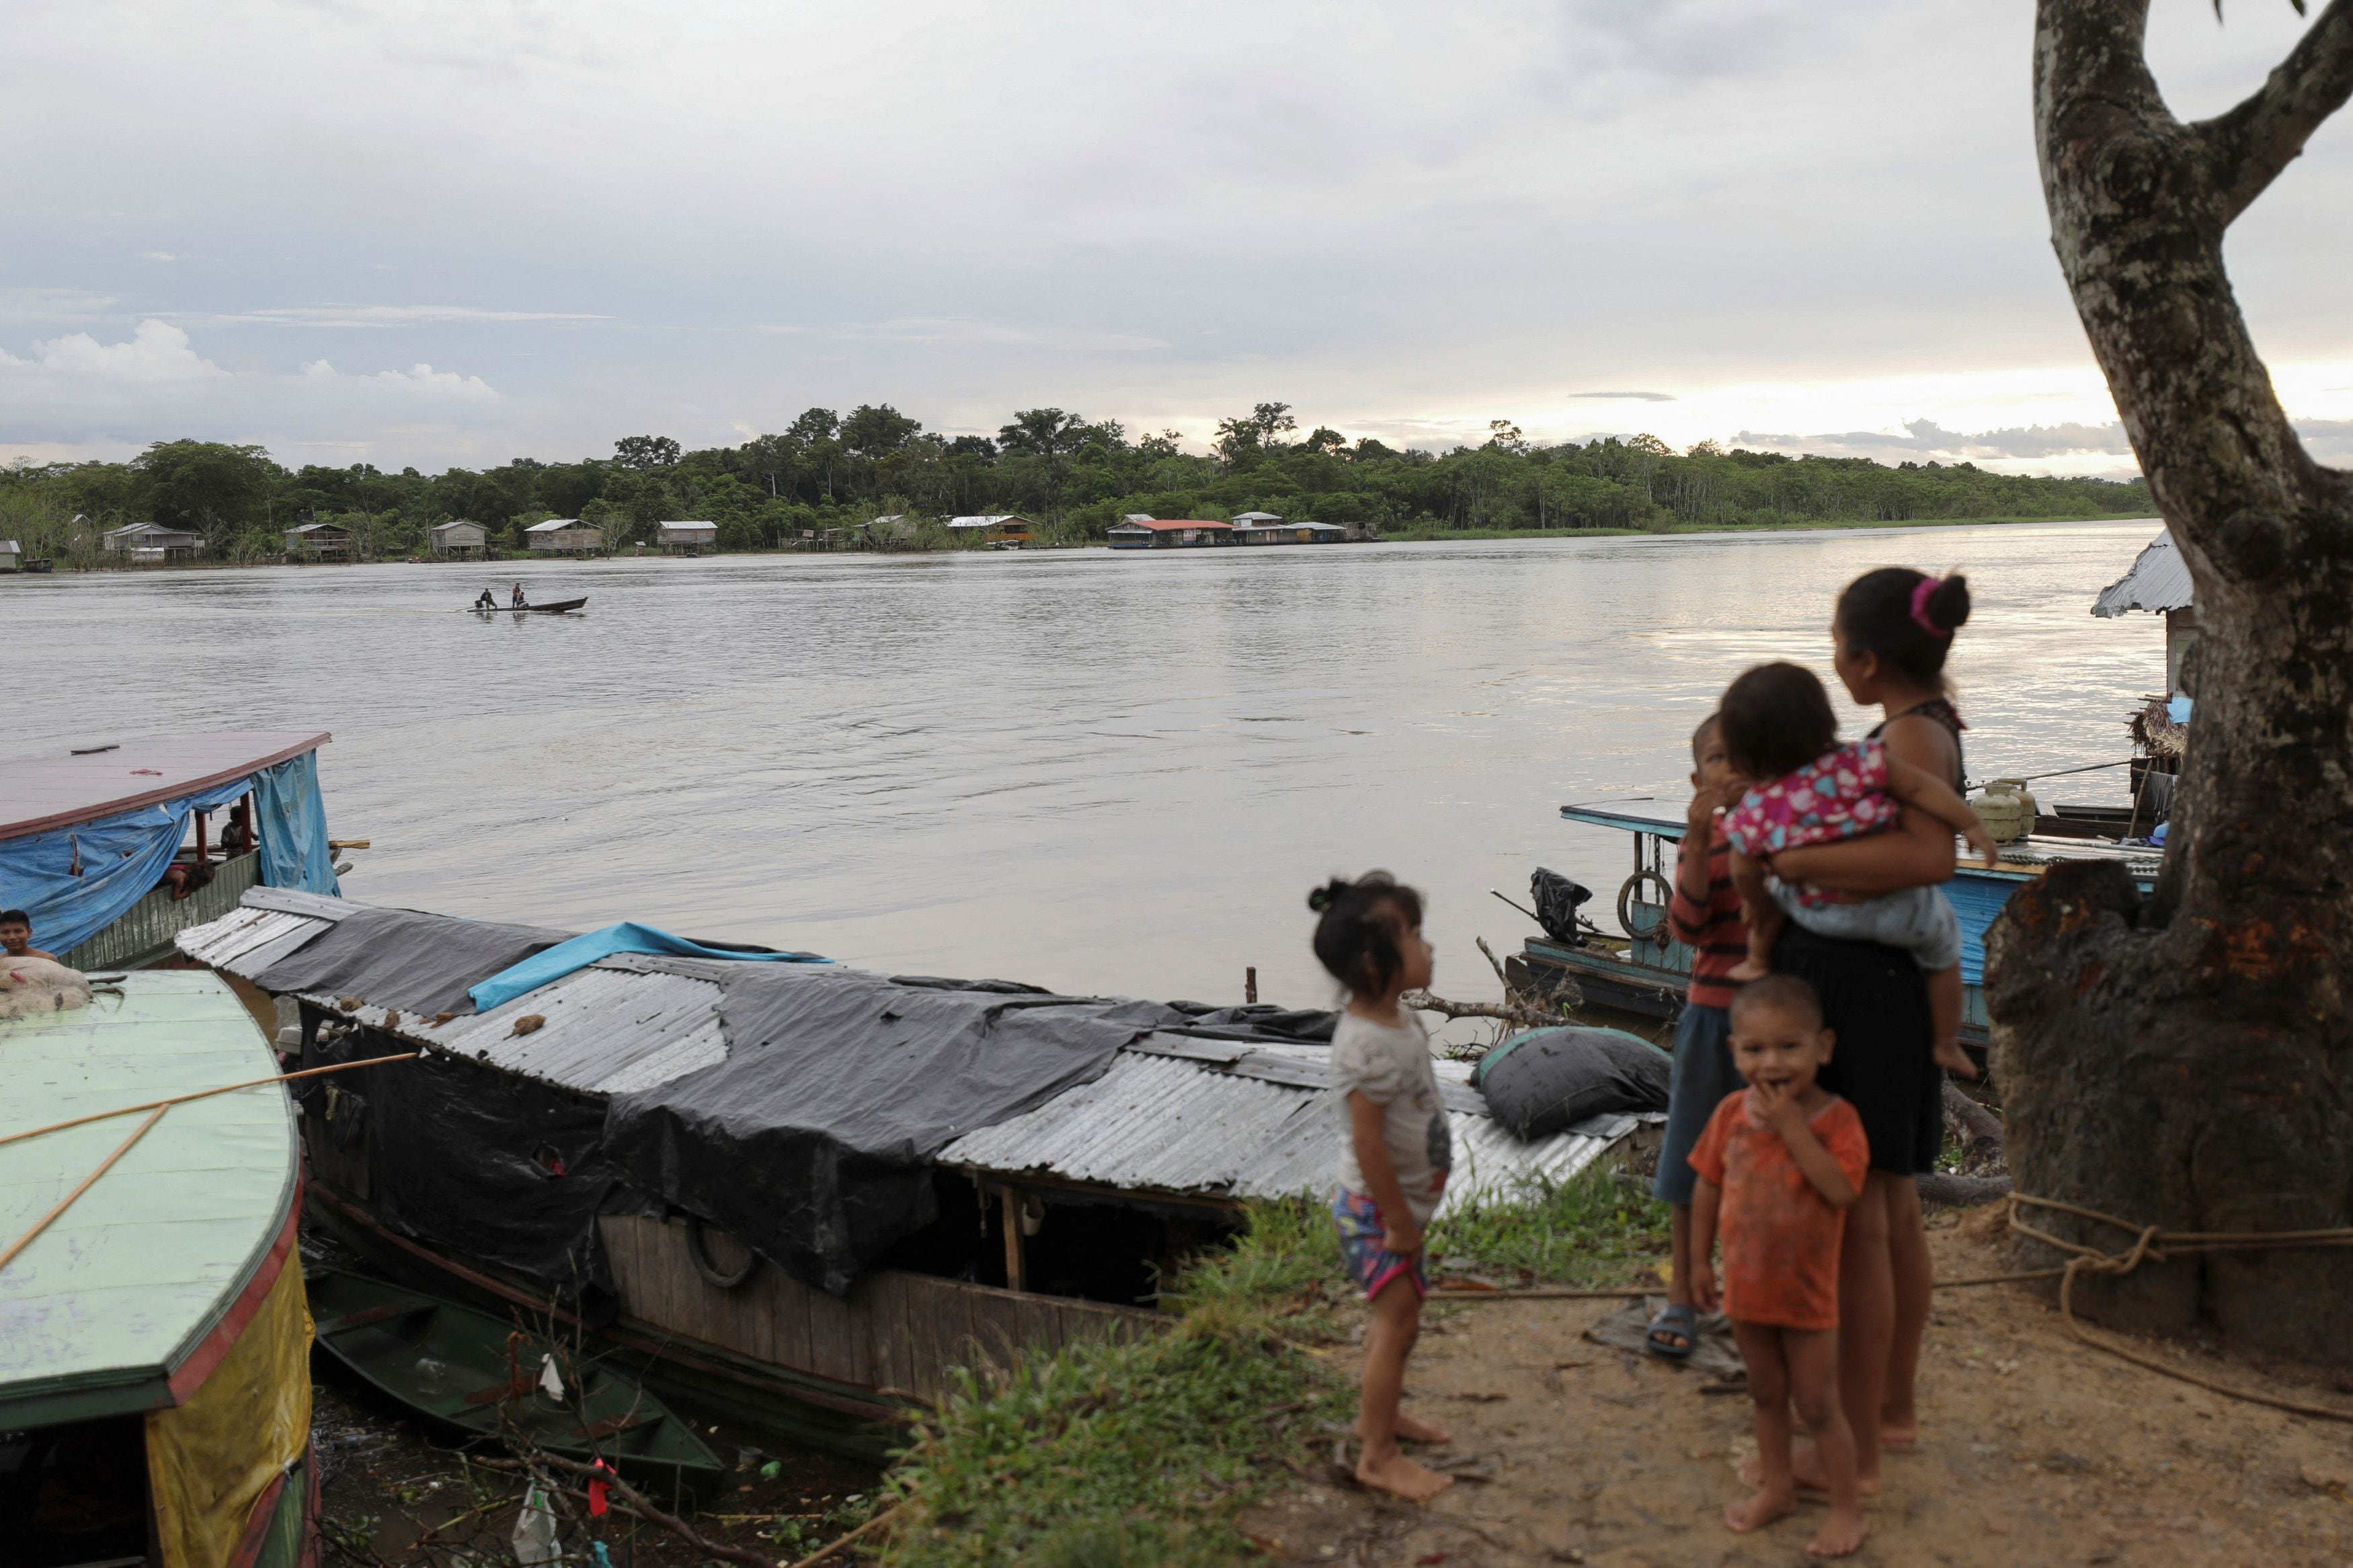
x=117 y=818
x=559 y=607
x=476 y=1372
x=154 y=1343
x=1643 y=970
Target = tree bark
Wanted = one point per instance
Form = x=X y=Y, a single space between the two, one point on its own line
x=2183 y=1060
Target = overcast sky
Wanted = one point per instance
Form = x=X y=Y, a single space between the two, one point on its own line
x=432 y=233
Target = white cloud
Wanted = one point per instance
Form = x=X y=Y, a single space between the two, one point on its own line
x=75 y=394
x=157 y=255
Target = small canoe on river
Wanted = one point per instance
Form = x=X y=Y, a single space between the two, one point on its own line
x=557 y=608
x=462 y=1368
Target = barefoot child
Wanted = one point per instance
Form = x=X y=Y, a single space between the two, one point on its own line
x=1778 y=1165
x=1704 y=911
x=1394 y=1164
x=1777 y=727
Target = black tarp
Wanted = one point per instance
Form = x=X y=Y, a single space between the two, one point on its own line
x=811 y=1142
x=494 y=1168
x=1548 y=1081
x=399 y=958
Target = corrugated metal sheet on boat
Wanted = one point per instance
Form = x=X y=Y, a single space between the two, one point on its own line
x=1177 y=1113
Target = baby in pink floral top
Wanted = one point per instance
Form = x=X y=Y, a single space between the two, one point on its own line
x=1818 y=792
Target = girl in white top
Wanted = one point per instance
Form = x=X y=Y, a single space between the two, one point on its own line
x=1393 y=1168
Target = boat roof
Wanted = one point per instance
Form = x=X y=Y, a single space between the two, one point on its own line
x=127 y=1287
x=1179 y=1113
x=86 y=783
x=2158 y=581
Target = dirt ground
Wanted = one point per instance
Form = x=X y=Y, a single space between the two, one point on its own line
x=393 y=1493
x=2035 y=1450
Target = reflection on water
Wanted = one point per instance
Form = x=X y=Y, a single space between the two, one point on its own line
x=1101 y=773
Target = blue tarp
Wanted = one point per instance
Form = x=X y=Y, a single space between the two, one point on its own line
x=292 y=822
x=556 y=963
x=76 y=881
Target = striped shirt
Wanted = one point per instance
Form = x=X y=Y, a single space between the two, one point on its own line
x=1713 y=931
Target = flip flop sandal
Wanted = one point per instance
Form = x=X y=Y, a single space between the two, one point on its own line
x=1680 y=1322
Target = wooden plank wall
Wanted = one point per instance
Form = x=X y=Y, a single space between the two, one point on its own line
x=896 y=1332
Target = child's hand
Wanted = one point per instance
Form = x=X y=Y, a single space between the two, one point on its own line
x=1702 y=1283
x=1779 y=1108
x=1982 y=842
x=1700 y=816
x=1403 y=1237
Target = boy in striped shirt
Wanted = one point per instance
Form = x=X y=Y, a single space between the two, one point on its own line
x=1705 y=913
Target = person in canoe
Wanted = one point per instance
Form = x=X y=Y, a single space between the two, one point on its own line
x=517 y=596
x=487 y=602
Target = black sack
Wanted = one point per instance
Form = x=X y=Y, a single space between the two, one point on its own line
x=1549 y=1081
x=1557 y=898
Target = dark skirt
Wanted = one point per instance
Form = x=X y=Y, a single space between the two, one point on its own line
x=1877 y=1001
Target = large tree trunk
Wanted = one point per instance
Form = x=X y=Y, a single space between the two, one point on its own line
x=2188 y=1061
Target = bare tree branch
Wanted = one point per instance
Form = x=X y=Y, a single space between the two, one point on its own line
x=2253 y=141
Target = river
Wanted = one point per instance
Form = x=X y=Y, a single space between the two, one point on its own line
x=1114 y=774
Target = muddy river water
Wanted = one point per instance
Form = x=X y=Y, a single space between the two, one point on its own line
x=1102 y=773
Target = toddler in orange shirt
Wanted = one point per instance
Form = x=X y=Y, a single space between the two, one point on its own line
x=1780 y=1163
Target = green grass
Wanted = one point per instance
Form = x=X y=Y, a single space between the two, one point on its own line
x=1137 y=1455
x=1143 y=1455
x=1598 y=1228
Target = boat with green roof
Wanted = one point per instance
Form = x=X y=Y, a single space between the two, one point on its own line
x=154 y=1333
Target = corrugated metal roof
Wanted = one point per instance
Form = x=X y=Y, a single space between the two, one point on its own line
x=1157 y=1123
x=557 y=524
x=1175 y=1113
x=2159 y=581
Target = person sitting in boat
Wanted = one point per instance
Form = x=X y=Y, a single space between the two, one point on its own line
x=487 y=602
x=517 y=596
x=16 y=936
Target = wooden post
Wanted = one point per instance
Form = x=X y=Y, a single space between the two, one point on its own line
x=1010 y=1202
x=1249 y=984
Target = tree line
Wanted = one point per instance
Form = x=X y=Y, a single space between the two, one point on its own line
x=1074 y=476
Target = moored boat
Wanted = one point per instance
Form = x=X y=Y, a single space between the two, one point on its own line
x=1642 y=969
x=807 y=1196
x=112 y=851
x=484 y=1375
x=154 y=1340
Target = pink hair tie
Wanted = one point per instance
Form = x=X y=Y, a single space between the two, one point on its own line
x=1924 y=589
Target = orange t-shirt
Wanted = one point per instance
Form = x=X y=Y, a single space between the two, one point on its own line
x=1780 y=1238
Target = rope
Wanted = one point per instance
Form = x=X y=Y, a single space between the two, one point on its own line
x=203 y=1094
x=155 y=1109
x=2154 y=1244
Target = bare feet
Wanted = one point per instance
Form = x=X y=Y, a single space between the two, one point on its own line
x=1841 y=1534
x=1751 y=968
x=1758 y=1510
x=1949 y=1056
x=1899 y=1431
x=1415 y=1431
x=1806 y=1469
x=1399 y=1474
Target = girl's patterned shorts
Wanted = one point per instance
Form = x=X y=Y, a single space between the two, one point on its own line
x=1362 y=1232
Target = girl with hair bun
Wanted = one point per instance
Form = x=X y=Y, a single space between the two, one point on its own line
x=1890 y=634
x=1394 y=1162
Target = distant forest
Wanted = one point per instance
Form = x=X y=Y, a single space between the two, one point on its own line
x=1074 y=476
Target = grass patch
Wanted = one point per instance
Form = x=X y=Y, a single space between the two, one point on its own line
x=1598 y=1228
x=1140 y=1455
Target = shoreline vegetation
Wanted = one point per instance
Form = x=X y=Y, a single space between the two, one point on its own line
x=828 y=479
x=1145 y=1454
